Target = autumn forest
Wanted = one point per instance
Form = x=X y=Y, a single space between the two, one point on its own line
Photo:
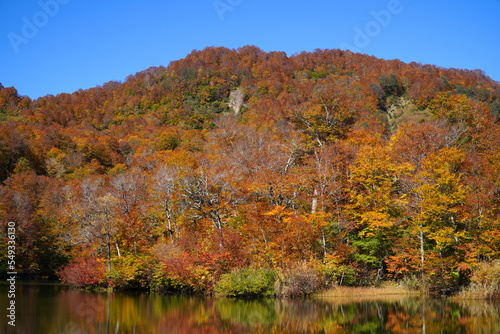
x=328 y=168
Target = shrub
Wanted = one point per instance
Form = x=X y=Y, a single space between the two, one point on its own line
x=128 y=272
x=247 y=282
x=485 y=282
x=337 y=274
x=412 y=283
x=298 y=281
x=84 y=273
x=487 y=274
x=443 y=280
x=178 y=274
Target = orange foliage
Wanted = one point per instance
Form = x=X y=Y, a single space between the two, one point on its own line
x=308 y=169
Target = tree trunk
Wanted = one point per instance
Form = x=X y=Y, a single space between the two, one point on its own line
x=323 y=241
x=118 y=249
x=171 y=223
x=221 y=238
x=314 y=204
x=109 y=252
x=218 y=225
x=422 y=249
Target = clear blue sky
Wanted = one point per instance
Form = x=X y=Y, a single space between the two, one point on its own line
x=48 y=49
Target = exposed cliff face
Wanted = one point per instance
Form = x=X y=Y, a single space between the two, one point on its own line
x=236 y=100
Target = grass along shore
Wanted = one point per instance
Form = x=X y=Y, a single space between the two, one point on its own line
x=368 y=293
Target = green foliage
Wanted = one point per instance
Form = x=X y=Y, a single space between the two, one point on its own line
x=22 y=165
x=412 y=283
x=194 y=280
x=196 y=122
x=390 y=85
x=475 y=93
x=247 y=282
x=387 y=89
x=367 y=251
x=128 y=272
x=188 y=74
x=166 y=285
x=248 y=312
x=318 y=73
x=495 y=108
x=443 y=281
x=338 y=275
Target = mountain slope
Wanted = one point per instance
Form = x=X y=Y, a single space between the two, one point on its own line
x=382 y=167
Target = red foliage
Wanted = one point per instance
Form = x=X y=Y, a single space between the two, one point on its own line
x=83 y=273
x=198 y=263
x=290 y=149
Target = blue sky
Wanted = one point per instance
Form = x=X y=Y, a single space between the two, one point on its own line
x=55 y=46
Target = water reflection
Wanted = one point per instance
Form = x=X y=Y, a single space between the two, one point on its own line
x=55 y=309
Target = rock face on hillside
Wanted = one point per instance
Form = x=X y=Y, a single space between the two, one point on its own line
x=236 y=100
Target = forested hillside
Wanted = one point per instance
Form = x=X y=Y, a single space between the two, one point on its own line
x=357 y=169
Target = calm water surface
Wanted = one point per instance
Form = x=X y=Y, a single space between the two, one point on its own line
x=54 y=309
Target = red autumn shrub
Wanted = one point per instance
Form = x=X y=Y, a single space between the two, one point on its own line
x=196 y=262
x=83 y=273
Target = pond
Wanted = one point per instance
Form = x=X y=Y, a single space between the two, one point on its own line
x=55 y=309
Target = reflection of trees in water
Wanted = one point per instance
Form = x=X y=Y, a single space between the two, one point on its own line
x=404 y=316
x=176 y=314
x=247 y=312
x=79 y=312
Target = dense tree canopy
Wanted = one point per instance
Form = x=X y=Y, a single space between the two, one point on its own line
x=364 y=167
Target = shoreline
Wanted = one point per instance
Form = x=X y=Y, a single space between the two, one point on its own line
x=341 y=293
x=367 y=293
